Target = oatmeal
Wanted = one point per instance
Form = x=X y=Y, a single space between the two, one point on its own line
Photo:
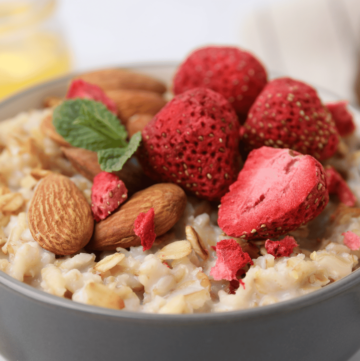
x=80 y=220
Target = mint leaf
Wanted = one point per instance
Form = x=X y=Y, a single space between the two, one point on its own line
x=112 y=160
x=88 y=124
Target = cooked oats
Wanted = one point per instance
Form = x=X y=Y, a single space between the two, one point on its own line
x=174 y=276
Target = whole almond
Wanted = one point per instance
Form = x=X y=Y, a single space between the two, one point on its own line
x=86 y=163
x=131 y=102
x=137 y=123
x=168 y=201
x=47 y=127
x=111 y=79
x=60 y=218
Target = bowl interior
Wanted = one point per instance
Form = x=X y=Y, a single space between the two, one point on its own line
x=32 y=98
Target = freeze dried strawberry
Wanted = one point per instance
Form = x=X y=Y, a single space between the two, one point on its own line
x=234 y=73
x=193 y=142
x=289 y=114
x=144 y=227
x=277 y=191
x=107 y=193
x=81 y=89
x=342 y=117
x=351 y=240
x=282 y=248
x=233 y=286
x=231 y=259
x=337 y=185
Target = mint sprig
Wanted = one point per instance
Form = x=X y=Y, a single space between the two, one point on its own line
x=113 y=159
x=88 y=124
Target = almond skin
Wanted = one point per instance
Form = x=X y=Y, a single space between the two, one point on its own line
x=47 y=127
x=60 y=218
x=131 y=102
x=112 y=79
x=168 y=201
x=137 y=123
x=86 y=163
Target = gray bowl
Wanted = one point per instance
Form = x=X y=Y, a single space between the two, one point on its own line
x=35 y=326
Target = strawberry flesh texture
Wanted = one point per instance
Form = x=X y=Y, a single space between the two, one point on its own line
x=81 y=89
x=337 y=185
x=144 y=227
x=193 y=142
x=282 y=248
x=107 y=193
x=231 y=259
x=351 y=240
x=277 y=191
x=234 y=73
x=342 y=117
x=289 y=114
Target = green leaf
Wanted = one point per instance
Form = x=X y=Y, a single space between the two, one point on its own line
x=88 y=124
x=112 y=160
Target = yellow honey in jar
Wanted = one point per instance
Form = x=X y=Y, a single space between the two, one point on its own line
x=32 y=48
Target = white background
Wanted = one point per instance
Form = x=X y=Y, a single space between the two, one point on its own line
x=313 y=40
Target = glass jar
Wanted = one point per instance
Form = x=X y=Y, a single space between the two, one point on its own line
x=32 y=48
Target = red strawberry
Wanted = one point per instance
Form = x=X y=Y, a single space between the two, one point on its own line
x=107 y=193
x=234 y=73
x=289 y=114
x=144 y=227
x=351 y=240
x=81 y=89
x=282 y=248
x=193 y=142
x=342 y=117
x=337 y=185
x=277 y=191
x=230 y=259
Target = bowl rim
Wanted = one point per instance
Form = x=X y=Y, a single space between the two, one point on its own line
x=327 y=292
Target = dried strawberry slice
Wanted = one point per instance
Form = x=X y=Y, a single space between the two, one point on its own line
x=276 y=191
x=342 y=117
x=144 y=227
x=337 y=185
x=107 y=193
x=231 y=259
x=351 y=240
x=81 y=89
x=282 y=248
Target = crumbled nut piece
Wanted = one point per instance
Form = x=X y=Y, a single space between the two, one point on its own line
x=39 y=173
x=98 y=294
x=109 y=262
x=197 y=299
x=53 y=281
x=204 y=280
x=196 y=242
x=175 y=305
x=28 y=182
x=79 y=261
x=175 y=250
x=4 y=219
x=11 y=202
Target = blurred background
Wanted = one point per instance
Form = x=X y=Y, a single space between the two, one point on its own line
x=315 y=41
